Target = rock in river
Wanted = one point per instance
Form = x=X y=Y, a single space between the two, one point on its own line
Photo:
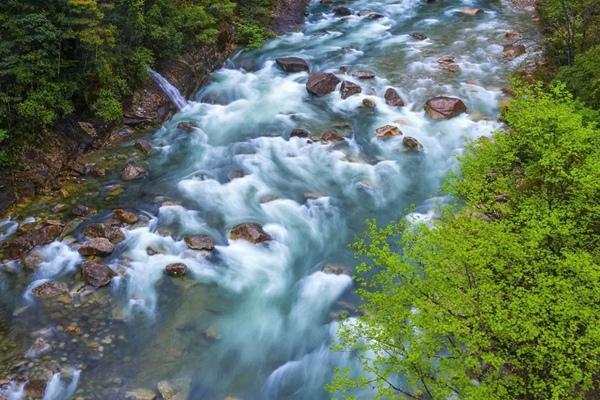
x=96 y=274
x=442 y=107
x=388 y=131
x=292 y=64
x=250 y=232
x=392 y=98
x=132 y=172
x=200 y=242
x=96 y=247
x=127 y=217
x=50 y=289
x=176 y=270
x=471 y=11
x=105 y=230
x=412 y=144
x=41 y=233
x=364 y=74
x=322 y=84
x=512 y=51
x=349 y=89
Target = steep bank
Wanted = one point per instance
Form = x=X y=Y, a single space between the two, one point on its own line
x=44 y=165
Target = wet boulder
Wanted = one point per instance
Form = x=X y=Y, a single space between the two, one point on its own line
x=200 y=242
x=144 y=146
x=301 y=133
x=364 y=74
x=512 y=51
x=41 y=233
x=97 y=247
x=412 y=144
x=96 y=274
x=50 y=289
x=105 y=230
x=39 y=348
x=331 y=136
x=336 y=270
x=132 y=172
x=392 y=98
x=449 y=63
x=186 y=126
x=32 y=261
x=140 y=394
x=81 y=210
x=322 y=84
x=471 y=11
x=418 y=36
x=342 y=11
x=388 y=131
x=292 y=64
x=443 y=107
x=126 y=217
x=250 y=232
x=349 y=89
x=176 y=270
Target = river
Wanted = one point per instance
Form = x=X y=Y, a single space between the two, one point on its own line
x=256 y=321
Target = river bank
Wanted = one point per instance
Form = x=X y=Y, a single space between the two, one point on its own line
x=252 y=192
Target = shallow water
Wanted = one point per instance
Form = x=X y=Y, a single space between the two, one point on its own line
x=256 y=321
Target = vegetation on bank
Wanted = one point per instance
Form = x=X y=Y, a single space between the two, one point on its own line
x=499 y=297
x=61 y=57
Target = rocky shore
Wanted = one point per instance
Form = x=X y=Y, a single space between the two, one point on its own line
x=46 y=166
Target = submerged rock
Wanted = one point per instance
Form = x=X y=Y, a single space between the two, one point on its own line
x=50 y=289
x=97 y=247
x=32 y=261
x=127 y=217
x=186 y=126
x=144 y=146
x=292 y=64
x=369 y=103
x=132 y=172
x=449 y=63
x=392 y=98
x=388 y=131
x=81 y=210
x=322 y=84
x=96 y=274
x=331 y=136
x=336 y=270
x=512 y=51
x=342 y=11
x=364 y=74
x=471 y=11
x=105 y=230
x=176 y=270
x=250 y=232
x=140 y=394
x=349 y=89
x=443 y=107
x=200 y=242
x=418 y=36
x=301 y=133
x=38 y=348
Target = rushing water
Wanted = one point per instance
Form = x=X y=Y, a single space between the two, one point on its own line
x=257 y=321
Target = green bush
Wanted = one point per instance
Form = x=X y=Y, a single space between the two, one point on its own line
x=108 y=107
x=583 y=78
x=497 y=299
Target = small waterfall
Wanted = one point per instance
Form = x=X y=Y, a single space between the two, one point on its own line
x=59 y=390
x=171 y=91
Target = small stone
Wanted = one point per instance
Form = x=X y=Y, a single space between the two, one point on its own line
x=322 y=84
x=512 y=51
x=443 y=107
x=412 y=144
x=73 y=330
x=369 y=103
x=186 y=126
x=60 y=207
x=471 y=11
x=336 y=270
x=364 y=74
x=96 y=247
x=140 y=394
x=331 y=136
x=418 y=36
x=212 y=334
x=176 y=270
x=342 y=11
x=82 y=211
x=97 y=171
x=151 y=251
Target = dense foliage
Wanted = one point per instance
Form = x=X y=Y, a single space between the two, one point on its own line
x=86 y=56
x=498 y=299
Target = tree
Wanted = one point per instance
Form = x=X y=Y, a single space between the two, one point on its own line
x=497 y=299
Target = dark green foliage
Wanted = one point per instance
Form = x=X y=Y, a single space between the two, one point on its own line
x=583 y=78
x=497 y=299
x=87 y=56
